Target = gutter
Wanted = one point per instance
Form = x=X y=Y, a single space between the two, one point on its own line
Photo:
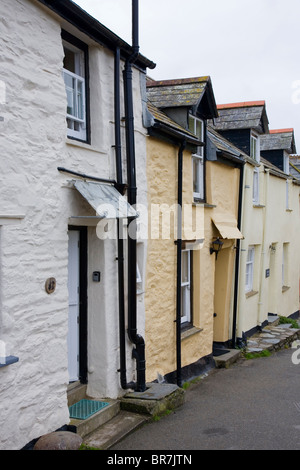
x=120 y=258
x=79 y=18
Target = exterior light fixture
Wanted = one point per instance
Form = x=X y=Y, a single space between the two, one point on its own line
x=216 y=247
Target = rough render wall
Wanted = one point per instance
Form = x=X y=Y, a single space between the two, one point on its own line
x=34 y=324
x=160 y=297
x=281 y=226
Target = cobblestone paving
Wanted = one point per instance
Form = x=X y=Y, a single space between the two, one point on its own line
x=274 y=337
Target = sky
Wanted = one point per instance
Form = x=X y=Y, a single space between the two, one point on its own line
x=249 y=48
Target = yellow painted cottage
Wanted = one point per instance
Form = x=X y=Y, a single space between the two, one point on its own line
x=193 y=190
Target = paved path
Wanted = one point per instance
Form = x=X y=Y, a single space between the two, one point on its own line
x=253 y=405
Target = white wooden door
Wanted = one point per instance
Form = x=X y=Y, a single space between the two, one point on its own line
x=73 y=286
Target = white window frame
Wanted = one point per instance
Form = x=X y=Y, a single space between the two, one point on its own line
x=77 y=127
x=198 y=178
x=197 y=158
x=250 y=269
x=255 y=195
x=286 y=163
x=186 y=308
x=255 y=147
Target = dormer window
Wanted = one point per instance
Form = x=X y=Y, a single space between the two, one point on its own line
x=286 y=163
x=196 y=126
x=75 y=83
x=255 y=147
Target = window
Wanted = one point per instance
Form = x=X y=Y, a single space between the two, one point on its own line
x=186 y=286
x=74 y=73
x=255 y=147
x=250 y=269
x=285 y=265
x=286 y=163
x=196 y=126
x=256 y=186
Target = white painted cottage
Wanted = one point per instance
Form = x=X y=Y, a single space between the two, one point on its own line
x=64 y=150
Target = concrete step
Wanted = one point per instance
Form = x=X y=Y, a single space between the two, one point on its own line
x=226 y=360
x=76 y=392
x=87 y=426
x=114 y=430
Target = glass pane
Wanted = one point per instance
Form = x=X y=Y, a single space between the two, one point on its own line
x=199 y=127
x=192 y=124
x=196 y=175
x=69 y=60
x=70 y=89
x=80 y=99
x=185 y=267
x=253 y=147
x=250 y=255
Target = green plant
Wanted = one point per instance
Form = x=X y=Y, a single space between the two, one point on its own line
x=86 y=447
x=159 y=416
x=256 y=355
x=293 y=322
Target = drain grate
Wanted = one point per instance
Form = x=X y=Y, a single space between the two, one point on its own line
x=86 y=408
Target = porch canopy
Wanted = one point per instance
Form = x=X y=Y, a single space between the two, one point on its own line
x=227 y=226
x=105 y=199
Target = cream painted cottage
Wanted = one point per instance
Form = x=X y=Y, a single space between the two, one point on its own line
x=269 y=257
x=62 y=196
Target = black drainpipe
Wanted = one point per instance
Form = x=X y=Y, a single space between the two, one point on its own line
x=179 y=251
x=237 y=258
x=120 y=258
x=135 y=338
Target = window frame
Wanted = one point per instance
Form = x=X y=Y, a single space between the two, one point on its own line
x=77 y=46
x=255 y=148
x=198 y=158
x=249 y=274
x=186 y=288
x=286 y=163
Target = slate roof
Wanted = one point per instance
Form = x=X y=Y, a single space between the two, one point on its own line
x=279 y=139
x=180 y=92
x=246 y=115
x=161 y=118
x=223 y=145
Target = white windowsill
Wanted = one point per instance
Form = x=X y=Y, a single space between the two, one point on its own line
x=84 y=145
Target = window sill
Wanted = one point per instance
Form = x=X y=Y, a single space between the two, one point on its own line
x=285 y=288
x=8 y=360
x=204 y=204
x=83 y=145
x=190 y=332
x=251 y=293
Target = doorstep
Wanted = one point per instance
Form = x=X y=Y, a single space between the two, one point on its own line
x=224 y=361
x=136 y=409
x=83 y=427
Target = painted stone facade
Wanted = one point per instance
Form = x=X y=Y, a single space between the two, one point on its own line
x=37 y=205
x=270 y=227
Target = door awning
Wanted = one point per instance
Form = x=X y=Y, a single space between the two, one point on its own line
x=227 y=226
x=105 y=200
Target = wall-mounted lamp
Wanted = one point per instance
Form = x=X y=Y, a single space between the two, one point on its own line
x=216 y=247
